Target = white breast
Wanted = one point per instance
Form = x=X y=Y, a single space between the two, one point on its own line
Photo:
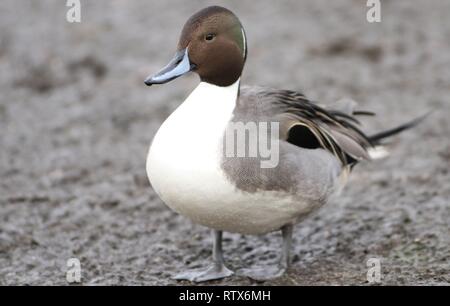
x=185 y=151
x=183 y=166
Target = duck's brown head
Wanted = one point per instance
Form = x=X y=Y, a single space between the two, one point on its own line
x=212 y=44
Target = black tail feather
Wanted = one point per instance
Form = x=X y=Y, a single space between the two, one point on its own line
x=376 y=138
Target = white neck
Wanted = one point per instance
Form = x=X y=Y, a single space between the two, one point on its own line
x=211 y=95
x=208 y=106
x=201 y=119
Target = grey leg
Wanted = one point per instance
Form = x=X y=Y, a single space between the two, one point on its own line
x=267 y=273
x=216 y=270
x=285 y=260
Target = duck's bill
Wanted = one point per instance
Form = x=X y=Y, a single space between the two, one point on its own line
x=178 y=66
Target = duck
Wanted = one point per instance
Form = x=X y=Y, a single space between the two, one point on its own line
x=289 y=157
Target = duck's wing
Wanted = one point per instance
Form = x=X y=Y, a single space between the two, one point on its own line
x=309 y=125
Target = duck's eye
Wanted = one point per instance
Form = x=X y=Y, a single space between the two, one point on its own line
x=210 y=36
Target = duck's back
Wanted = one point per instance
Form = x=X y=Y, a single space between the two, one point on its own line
x=308 y=174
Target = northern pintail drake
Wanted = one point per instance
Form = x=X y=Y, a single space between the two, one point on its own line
x=247 y=160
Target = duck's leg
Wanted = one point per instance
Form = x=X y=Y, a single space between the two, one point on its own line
x=267 y=273
x=215 y=271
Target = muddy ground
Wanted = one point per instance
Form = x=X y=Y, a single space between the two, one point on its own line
x=76 y=121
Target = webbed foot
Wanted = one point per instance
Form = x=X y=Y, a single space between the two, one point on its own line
x=201 y=275
x=263 y=273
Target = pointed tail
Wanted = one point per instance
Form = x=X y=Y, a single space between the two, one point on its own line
x=376 y=138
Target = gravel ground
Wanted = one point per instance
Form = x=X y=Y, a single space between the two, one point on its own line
x=76 y=121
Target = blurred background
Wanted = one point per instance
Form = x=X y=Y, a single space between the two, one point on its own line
x=76 y=121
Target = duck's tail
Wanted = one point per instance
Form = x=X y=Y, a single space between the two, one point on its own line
x=380 y=151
